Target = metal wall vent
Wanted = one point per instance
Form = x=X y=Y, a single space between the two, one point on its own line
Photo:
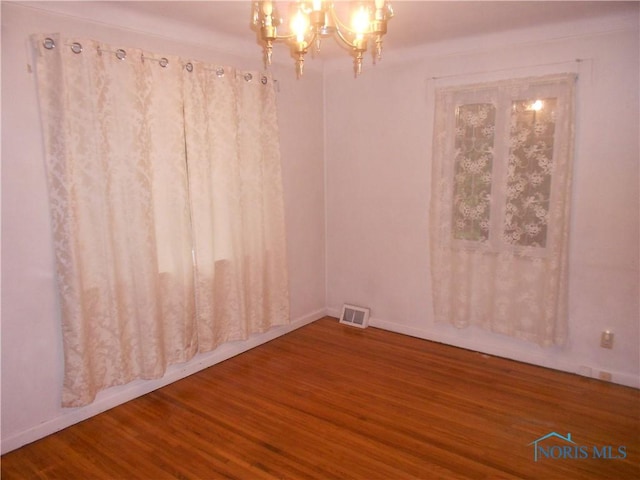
x=355 y=316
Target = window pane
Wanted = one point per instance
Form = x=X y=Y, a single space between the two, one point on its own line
x=529 y=171
x=475 y=129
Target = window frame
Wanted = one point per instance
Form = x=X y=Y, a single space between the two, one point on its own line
x=501 y=95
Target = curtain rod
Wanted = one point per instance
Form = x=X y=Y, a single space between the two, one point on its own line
x=77 y=48
x=550 y=64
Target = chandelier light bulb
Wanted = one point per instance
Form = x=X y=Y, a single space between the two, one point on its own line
x=360 y=21
x=300 y=25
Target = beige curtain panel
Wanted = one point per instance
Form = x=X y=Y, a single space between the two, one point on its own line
x=166 y=207
x=501 y=191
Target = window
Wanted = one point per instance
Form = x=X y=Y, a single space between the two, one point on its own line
x=499 y=209
x=473 y=166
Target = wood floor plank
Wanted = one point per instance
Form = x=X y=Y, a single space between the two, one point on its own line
x=330 y=401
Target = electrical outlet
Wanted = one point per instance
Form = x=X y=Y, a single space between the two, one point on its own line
x=606 y=376
x=606 y=339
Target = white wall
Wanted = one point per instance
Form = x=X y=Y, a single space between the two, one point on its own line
x=378 y=152
x=32 y=362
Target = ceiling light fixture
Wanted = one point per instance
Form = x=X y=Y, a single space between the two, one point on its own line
x=312 y=21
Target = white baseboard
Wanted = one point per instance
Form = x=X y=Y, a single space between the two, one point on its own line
x=512 y=353
x=118 y=395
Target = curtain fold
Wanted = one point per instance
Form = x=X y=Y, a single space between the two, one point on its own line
x=501 y=192
x=237 y=204
x=130 y=211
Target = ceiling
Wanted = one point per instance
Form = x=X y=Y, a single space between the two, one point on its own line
x=415 y=22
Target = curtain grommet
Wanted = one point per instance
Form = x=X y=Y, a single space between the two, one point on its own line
x=49 y=43
x=121 y=54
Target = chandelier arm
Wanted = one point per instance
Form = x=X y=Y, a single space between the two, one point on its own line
x=345 y=40
x=342 y=27
x=312 y=39
x=286 y=38
x=339 y=24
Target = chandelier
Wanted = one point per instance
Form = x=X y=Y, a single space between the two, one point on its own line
x=312 y=21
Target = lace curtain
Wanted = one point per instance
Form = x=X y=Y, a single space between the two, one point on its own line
x=166 y=207
x=500 y=206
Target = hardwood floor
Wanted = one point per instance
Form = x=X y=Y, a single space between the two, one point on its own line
x=329 y=401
